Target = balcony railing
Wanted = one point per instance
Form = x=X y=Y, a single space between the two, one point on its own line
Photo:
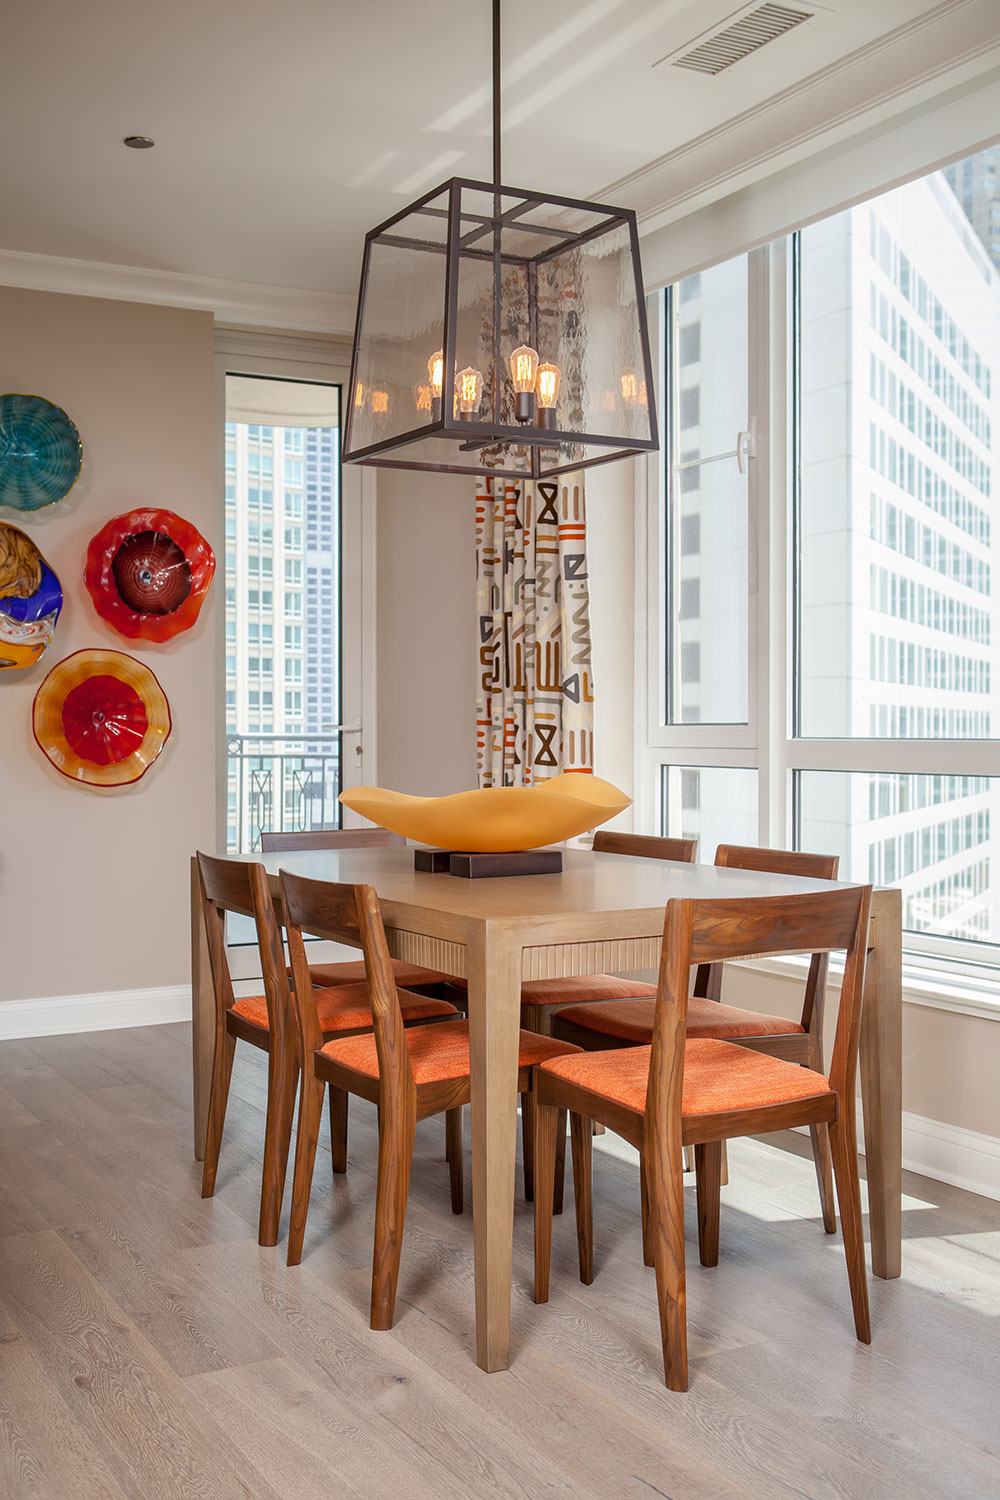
x=281 y=782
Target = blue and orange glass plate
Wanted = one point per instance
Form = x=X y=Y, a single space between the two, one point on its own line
x=30 y=600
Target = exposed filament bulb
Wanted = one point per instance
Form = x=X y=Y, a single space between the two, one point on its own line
x=468 y=392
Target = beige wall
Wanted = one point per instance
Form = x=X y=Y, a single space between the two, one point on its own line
x=427 y=649
x=93 y=883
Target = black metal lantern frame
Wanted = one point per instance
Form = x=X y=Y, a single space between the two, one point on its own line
x=466 y=277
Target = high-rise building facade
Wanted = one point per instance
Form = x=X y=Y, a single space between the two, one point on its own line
x=975 y=185
x=896 y=594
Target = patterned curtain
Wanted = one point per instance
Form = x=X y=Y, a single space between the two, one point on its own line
x=535 y=701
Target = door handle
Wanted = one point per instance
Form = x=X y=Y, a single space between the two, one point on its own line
x=746 y=444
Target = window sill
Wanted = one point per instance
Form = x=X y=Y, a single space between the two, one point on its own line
x=964 y=993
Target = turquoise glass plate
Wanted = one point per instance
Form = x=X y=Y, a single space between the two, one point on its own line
x=40 y=452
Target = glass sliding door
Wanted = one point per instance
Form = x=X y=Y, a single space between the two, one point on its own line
x=283 y=607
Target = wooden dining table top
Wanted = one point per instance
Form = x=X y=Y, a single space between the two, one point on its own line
x=590 y=883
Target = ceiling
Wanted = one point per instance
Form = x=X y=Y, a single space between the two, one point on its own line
x=284 y=131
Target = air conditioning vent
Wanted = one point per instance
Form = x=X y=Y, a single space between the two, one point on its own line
x=733 y=43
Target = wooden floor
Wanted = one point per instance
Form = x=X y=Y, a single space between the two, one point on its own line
x=149 y=1348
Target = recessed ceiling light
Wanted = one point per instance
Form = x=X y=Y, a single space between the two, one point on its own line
x=139 y=142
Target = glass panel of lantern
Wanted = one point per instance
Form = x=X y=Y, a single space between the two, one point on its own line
x=401 y=326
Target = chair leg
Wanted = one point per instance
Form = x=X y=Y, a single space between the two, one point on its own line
x=528 y=1144
x=282 y=1077
x=647 y=1243
x=222 y=1072
x=824 y=1175
x=311 y=1094
x=546 y=1128
x=582 y=1136
x=665 y=1183
x=339 y=1102
x=843 y=1147
x=395 y=1157
x=453 y=1146
x=708 y=1179
x=560 y=1178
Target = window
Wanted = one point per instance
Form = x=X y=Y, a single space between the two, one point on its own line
x=261 y=773
x=865 y=722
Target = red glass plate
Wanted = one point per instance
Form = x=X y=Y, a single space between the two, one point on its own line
x=101 y=717
x=147 y=573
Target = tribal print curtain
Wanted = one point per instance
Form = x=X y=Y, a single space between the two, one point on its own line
x=535 y=701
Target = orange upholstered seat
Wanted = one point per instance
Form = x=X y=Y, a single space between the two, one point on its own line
x=407 y=976
x=438 y=1052
x=632 y=1020
x=718 y=1077
x=576 y=988
x=347 y=1008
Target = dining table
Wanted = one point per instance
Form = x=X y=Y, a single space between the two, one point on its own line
x=604 y=913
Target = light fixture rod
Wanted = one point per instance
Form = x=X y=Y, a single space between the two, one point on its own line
x=496 y=92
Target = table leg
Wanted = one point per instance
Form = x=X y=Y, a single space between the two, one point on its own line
x=881 y=1080
x=494 y=976
x=202 y=1016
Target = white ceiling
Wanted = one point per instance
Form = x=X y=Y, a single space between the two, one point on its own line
x=284 y=130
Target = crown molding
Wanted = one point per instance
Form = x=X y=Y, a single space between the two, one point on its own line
x=949 y=45
x=242 y=302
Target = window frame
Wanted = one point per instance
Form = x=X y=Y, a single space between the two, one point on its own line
x=768 y=742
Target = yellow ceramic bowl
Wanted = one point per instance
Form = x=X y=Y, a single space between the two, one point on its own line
x=494 y=820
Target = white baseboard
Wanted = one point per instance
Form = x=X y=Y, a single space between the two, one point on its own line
x=949 y=1153
x=57 y=1015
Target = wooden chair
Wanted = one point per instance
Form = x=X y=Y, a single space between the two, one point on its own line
x=270 y=1022
x=631 y=1024
x=412 y=977
x=701 y=1091
x=542 y=998
x=410 y=1075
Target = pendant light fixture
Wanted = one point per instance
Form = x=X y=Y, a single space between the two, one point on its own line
x=500 y=331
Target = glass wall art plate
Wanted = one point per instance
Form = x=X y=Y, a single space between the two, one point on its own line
x=101 y=717
x=148 y=572
x=40 y=452
x=496 y=819
x=30 y=600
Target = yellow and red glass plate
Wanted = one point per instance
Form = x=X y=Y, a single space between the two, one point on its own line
x=148 y=572
x=101 y=717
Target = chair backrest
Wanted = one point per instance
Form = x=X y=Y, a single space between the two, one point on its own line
x=708 y=932
x=330 y=838
x=236 y=886
x=349 y=914
x=645 y=846
x=708 y=980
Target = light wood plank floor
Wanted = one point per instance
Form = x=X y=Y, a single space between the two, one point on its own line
x=149 y=1348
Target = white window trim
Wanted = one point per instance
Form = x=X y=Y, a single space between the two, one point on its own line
x=971 y=992
x=966 y=985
